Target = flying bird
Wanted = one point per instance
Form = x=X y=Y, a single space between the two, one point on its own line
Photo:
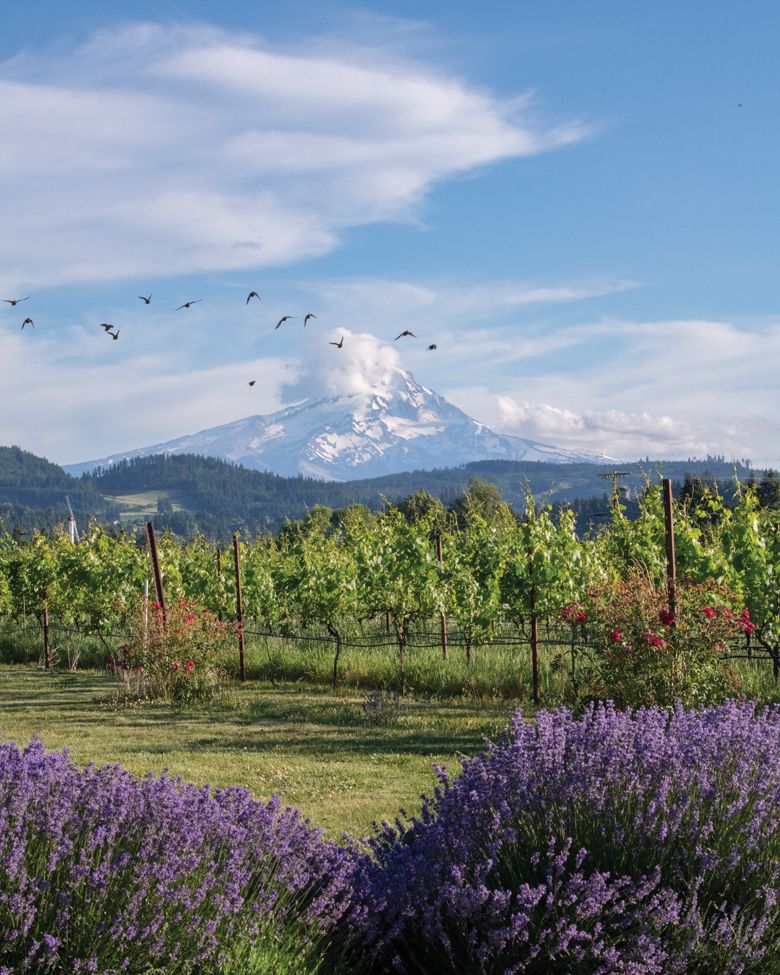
x=431 y=348
x=405 y=332
x=146 y=301
x=28 y=321
x=253 y=294
x=306 y=320
x=114 y=335
x=283 y=320
x=188 y=304
x=339 y=343
x=15 y=301
x=106 y=325
x=251 y=382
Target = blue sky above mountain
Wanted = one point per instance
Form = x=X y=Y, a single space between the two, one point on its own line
x=576 y=203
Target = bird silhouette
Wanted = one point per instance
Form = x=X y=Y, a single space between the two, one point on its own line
x=253 y=294
x=146 y=301
x=339 y=343
x=431 y=348
x=28 y=321
x=283 y=320
x=15 y=301
x=106 y=325
x=251 y=382
x=405 y=332
x=114 y=335
x=188 y=304
x=306 y=319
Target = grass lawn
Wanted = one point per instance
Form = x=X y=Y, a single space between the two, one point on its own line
x=309 y=745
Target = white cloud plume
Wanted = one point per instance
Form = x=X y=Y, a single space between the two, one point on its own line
x=362 y=366
x=160 y=150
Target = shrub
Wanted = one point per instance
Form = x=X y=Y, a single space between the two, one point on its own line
x=646 y=654
x=101 y=872
x=182 y=658
x=642 y=842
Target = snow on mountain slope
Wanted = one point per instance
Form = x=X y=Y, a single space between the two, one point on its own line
x=400 y=426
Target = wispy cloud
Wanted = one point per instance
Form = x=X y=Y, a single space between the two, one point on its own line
x=91 y=402
x=153 y=151
x=666 y=388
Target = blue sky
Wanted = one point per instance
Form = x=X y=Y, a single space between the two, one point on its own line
x=577 y=202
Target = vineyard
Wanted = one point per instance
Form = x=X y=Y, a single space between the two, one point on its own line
x=594 y=616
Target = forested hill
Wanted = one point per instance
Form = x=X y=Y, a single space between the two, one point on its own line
x=189 y=493
x=33 y=493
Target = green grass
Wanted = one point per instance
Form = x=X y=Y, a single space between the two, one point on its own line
x=310 y=746
x=142 y=503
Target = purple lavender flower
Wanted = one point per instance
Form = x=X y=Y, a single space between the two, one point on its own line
x=102 y=872
x=621 y=842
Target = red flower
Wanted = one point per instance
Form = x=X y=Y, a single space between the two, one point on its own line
x=653 y=640
x=175 y=665
x=189 y=666
x=666 y=616
x=190 y=617
x=708 y=611
x=616 y=636
x=745 y=622
x=572 y=614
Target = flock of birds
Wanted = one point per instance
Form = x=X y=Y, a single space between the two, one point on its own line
x=111 y=329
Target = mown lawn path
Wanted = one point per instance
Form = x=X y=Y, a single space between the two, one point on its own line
x=310 y=746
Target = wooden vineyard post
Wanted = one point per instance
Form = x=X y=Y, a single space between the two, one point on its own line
x=239 y=608
x=387 y=622
x=219 y=582
x=146 y=612
x=46 y=653
x=534 y=648
x=534 y=628
x=671 y=567
x=158 y=583
x=442 y=616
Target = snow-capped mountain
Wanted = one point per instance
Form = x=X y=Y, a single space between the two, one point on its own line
x=401 y=426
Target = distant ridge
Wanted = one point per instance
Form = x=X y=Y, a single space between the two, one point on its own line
x=402 y=426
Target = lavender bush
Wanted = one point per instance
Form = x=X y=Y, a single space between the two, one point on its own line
x=621 y=842
x=101 y=872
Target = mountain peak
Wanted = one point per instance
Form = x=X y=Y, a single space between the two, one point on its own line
x=399 y=425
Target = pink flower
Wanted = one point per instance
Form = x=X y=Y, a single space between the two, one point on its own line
x=189 y=666
x=190 y=617
x=708 y=611
x=666 y=616
x=616 y=636
x=175 y=665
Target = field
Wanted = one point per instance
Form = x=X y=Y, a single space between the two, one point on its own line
x=310 y=746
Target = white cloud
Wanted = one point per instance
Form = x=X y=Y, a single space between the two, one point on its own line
x=669 y=389
x=100 y=398
x=157 y=150
x=362 y=366
x=614 y=432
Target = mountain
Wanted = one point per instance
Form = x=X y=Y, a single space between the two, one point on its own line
x=401 y=426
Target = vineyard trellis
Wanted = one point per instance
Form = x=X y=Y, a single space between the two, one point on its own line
x=485 y=583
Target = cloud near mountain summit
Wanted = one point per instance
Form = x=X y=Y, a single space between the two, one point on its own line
x=364 y=365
